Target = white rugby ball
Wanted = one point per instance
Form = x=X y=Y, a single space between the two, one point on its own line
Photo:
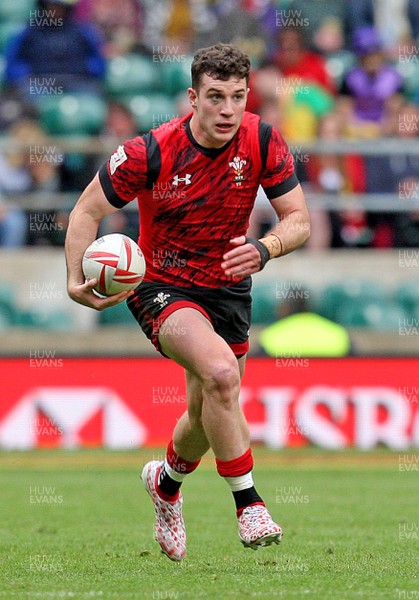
x=116 y=261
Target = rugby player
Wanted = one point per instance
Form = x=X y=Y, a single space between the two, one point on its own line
x=195 y=307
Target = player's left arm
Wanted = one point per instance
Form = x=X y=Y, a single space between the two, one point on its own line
x=293 y=227
x=291 y=231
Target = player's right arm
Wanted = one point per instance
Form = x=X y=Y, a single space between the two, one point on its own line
x=85 y=217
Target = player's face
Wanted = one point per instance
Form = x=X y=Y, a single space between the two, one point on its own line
x=218 y=110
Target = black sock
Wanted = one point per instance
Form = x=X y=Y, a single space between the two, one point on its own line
x=245 y=497
x=167 y=485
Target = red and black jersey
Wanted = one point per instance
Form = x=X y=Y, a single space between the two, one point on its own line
x=193 y=200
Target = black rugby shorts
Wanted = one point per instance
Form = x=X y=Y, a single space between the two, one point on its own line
x=228 y=309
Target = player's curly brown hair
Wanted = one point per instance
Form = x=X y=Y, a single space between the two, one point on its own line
x=220 y=61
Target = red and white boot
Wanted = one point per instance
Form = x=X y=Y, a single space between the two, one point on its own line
x=257 y=528
x=170 y=528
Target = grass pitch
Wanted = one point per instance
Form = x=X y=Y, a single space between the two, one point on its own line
x=79 y=525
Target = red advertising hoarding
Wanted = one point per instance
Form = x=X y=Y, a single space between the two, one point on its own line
x=132 y=402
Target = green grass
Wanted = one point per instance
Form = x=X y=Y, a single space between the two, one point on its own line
x=350 y=520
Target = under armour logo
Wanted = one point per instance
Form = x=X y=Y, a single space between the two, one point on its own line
x=186 y=179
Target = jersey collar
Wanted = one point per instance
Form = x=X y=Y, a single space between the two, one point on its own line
x=208 y=152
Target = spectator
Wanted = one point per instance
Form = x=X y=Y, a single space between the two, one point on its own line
x=385 y=173
x=120 y=126
x=301 y=333
x=336 y=174
x=235 y=24
x=13 y=108
x=301 y=107
x=55 y=54
x=371 y=87
x=170 y=26
x=406 y=226
x=397 y=174
x=295 y=61
x=33 y=165
x=395 y=20
x=120 y=23
x=267 y=14
x=25 y=166
x=329 y=37
x=39 y=161
x=13 y=225
x=323 y=21
x=297 y=82
x=14 y=180
x=413 y=14
x=120 y=123
x=392 y=23
x=263 y=89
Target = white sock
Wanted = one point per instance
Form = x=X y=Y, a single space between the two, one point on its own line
x=243 y=482
x=173 y=474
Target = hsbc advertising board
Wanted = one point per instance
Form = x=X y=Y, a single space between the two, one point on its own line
x=123 y=403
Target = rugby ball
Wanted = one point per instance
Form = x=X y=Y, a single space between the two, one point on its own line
x=116 y=261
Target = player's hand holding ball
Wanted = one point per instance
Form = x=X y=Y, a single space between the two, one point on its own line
x=85 y=295
x=113 y=266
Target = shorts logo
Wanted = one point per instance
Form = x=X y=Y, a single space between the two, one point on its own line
x=117 y=158
x=186 y=179
x=161 y=299
x=237 y=165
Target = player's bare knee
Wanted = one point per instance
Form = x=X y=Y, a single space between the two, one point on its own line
x=223 y=382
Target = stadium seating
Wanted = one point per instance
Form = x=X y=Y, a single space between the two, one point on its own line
x=119 y=314
x=407 y=295
x=7 y=303
x=73 y=114
x=49 y=320
x=346 y=292
x=16 y=10
x=264 y=303
x=131 y=74
x=13 y=316
x=150 y=110
x=8 y=30
x=5 y=321
x=410 y=73
x=383 y=315
x=339 y=64
x=176 y=77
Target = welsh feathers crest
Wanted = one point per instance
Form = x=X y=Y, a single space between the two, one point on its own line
x=237 y=165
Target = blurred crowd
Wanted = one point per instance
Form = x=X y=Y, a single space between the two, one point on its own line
x=323 y=71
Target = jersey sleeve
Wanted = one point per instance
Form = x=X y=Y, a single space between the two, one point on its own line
x=278 y=175
x=124 y=175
